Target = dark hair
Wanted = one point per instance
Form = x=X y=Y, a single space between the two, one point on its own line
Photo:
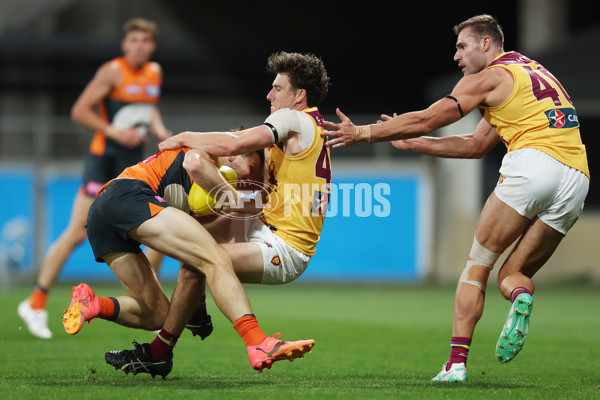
x=261 y=155
x=305 y=71
x=483 y=25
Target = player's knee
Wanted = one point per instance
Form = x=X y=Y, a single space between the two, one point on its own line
x=220 y=259
x=507 y=282
x=195 y=163
x=480 y=264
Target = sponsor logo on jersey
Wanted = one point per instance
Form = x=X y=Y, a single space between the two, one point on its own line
x=562 y=118
x=133 y=89
x=152 y=90
x=320 y=202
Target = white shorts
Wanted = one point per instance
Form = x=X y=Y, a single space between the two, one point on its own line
x=282 y=263
x=534 y=183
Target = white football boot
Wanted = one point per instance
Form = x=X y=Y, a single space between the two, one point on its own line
x=36 y=320
x=456 y=373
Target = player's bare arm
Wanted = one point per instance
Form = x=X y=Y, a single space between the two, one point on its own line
x=469 y=92
x=222 y=143
x=203 y=170
x=106 y=78
x=83 y=111
x=473 y=145
x=157 y=126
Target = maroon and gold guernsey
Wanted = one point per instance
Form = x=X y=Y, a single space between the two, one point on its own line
x=300 y=188
x=538 y=113
x=131 y=103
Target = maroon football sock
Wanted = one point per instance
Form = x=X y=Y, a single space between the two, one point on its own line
x=163 y=344
x=459 y=350
x=517 y=291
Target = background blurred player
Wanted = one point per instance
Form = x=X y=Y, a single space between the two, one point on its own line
x=544 y=177
x=120 y=105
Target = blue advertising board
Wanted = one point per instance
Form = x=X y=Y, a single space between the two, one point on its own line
x=373 y=231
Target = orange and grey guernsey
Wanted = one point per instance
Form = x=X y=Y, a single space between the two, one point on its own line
x=137 y=87
x=163 y=172
x=538 y=114
x=300 y=188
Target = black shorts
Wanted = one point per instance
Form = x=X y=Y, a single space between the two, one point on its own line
x=120 y=207
x=97 y=170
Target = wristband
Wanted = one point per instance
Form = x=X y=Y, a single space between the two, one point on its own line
x=363 y=133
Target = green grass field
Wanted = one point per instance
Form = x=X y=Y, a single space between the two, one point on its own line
x=372 y=342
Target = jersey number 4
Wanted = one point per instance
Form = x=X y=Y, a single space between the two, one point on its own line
x=323 y=165
x=542 y=89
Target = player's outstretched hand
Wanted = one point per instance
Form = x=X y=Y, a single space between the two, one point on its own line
x=385 y=117
x=170 y=143
x=344 y=133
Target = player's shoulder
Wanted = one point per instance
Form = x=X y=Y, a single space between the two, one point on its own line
x=487 y=79
x=290 y=113
x=155 y=67
x=282 y=112
x=109 y=70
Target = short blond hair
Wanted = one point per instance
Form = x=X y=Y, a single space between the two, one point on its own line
x=140 y=24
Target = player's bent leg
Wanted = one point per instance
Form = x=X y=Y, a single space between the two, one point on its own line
x=155 y=258
x=514 y=332
x=534 y=248
x=247 y=261
x=178 y=235
x=200 y=323
x=146 y=304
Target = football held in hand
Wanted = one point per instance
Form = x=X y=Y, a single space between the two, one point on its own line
x=202 y=202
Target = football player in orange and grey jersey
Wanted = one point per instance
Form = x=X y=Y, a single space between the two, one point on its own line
x=125 y=91
x=544 y=176
x=147 y=204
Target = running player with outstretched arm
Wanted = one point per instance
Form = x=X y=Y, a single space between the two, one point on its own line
x=544 y=177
